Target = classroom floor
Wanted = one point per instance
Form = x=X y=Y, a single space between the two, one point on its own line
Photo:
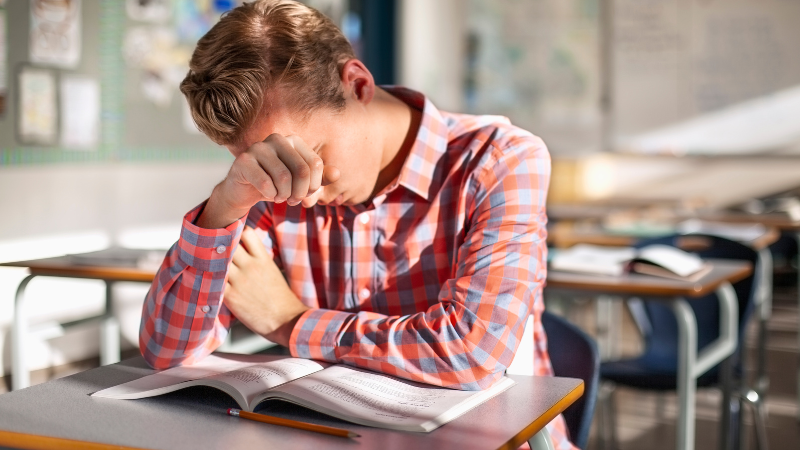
x=646 y=420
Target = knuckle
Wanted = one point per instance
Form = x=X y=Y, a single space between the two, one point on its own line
x=274 y=137
x=258 y=147
x=265 y=186
x=283 y=176
x=245 y=157
x=303 y=171
x=317 y=163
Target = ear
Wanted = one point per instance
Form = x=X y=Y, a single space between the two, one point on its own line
x=357 y=82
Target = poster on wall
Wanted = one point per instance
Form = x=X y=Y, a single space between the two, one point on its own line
x=38 y=113
x=80 y=112
x=3 y=79
x=56 y=32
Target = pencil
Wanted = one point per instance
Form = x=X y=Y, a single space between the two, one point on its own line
x=292 y=423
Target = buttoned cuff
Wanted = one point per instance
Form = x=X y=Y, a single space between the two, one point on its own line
x=209 y=250
x=315 y=335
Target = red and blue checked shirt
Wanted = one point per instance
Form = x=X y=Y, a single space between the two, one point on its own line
x=432 y=281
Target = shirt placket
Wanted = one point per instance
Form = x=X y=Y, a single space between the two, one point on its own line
x=362 y=258
x=349 y=262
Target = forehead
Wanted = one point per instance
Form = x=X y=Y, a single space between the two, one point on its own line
x=274 y=117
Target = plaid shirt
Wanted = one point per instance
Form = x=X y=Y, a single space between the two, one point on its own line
x=432 y=281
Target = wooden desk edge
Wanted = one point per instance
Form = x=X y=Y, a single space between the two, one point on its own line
x=96 y=273
x=544 y=419
x=36 y=442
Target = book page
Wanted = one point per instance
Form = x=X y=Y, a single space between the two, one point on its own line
x=672 y=259
x=595 y=259
x=379 y=400
x=254 y=379
x=243 y=372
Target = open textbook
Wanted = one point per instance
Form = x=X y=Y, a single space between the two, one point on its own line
x=351 y=394
x=658 y=260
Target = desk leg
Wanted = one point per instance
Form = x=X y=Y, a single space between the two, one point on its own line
x=109 y=331
x=687 y=382
x=764 y=314
x=609 y=331
x=691 y=365
x=730 y=427
x=20 y=377
x=541 y=441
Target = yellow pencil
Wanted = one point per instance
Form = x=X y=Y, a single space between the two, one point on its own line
x=292 y=423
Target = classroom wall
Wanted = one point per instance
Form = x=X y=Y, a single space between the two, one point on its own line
x=431 y=53
x=147 y=171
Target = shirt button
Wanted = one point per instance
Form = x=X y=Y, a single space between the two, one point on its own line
x=364 y=218
x=221 y=249
x=206 y=309
x=364 y=294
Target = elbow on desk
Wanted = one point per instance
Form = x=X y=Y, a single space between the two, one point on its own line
x=482 y=372
x=153 y=358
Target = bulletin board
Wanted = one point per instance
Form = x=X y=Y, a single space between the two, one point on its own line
x=141 y=115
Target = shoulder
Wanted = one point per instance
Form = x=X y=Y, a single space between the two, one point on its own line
x=497 y=146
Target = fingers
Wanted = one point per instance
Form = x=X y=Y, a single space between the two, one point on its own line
x=240 y=256
x=312 y=199
x=266 y=154
x=289 y=170
x=252 y=244
x=252 y=171
x=314 y=164
x=286 y=169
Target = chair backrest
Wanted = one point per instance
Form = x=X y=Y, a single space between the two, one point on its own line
x=574 y=354
x=656 y=319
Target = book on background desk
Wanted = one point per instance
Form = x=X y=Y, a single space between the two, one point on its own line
x=741 y=232
x=348 y=393
x=657 y=260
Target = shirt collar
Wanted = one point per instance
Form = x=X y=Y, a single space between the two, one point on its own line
x=429 y=146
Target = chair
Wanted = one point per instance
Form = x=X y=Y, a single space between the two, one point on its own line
x=574 y=354
x=656 y=368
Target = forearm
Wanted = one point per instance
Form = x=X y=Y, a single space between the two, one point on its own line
x=183 y=318
x=181 y=324
x=452 y=344
x=218 y=213
x=469 y=334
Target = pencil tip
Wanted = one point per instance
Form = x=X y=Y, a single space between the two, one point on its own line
x=351 y=434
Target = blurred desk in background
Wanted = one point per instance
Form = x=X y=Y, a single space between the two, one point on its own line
x=110 y=265
x=756 y=236
x=690 y=364
x=783 y=222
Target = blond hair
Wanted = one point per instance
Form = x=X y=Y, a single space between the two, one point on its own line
x=254 y=48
